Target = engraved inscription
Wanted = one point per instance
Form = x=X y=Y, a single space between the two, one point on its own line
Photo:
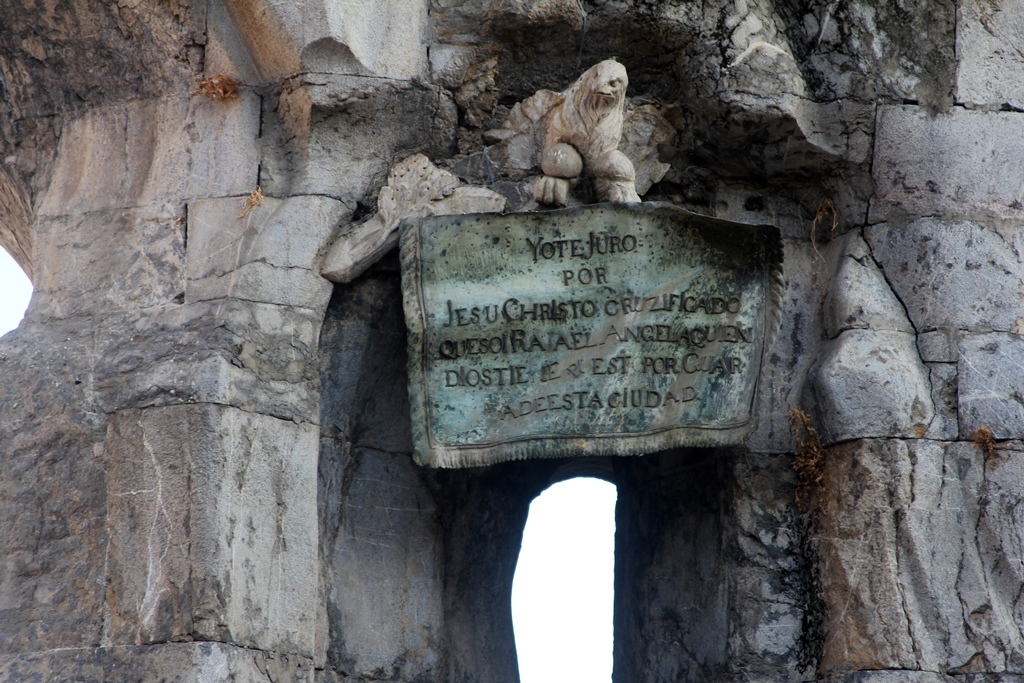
x=584 y=324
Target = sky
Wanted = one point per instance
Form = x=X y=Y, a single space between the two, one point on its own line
x=563 y=586
x=562 y=592
x=15 y=290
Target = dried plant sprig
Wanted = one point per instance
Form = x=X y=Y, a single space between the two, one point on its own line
x=254 y=199
x=218 y=88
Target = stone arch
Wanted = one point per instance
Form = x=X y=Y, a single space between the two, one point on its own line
x=417 y=564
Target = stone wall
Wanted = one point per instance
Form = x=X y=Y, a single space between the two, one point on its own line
x=205 y=469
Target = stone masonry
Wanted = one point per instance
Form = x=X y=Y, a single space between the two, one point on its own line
x=205 y=469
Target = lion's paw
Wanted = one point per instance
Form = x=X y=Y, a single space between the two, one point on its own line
x=548 y=190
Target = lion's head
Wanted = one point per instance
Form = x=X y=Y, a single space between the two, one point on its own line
x=594 y=107
x=599 y=91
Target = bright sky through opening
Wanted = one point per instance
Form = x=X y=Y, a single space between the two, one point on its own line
x=15 y=291
x=563 y=587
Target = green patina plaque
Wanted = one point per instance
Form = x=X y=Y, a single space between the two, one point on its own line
x=607 y=329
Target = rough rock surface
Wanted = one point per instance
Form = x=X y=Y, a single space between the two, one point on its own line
x=205 y=471
x=872 y=384
x=954 y=275
x=903 y=600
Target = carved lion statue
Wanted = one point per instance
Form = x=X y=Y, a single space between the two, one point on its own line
x=581 y=128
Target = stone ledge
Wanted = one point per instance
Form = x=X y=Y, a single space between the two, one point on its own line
x=258 y=357
x=204 y=662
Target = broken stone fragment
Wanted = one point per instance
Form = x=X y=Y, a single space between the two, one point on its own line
x=860 y=298
x=416 y=188
x=872 y=384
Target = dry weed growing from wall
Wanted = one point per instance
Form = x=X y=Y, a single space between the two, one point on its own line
x=826 y=210
x=254 y=199
x=825 y=215
x=218 y=88
x=809 y=463
x=983 y=437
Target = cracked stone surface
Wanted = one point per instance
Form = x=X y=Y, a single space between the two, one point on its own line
x=989 y=385
x=859 y=297
x=52 y=494
x=200 y=525
x=990 y=71
x=902 y=596
x=928 y=165
x=953 y=274
x=870 y=381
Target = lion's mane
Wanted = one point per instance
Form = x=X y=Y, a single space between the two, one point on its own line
x=587 y=120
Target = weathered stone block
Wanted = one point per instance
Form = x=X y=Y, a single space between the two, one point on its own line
x=283 y=234
x=872 y=384
x=150 y=592
x=935 y=490
x=90 y=263
x=299 y=230
x=220 y=237
x=52 y=492
x=790 y=352
x=990 y=65
x=991 y=391
x=897 y=596
x=162 y=663
x=207 y=378
x=153 y=151
x=992 y=573
x=214 y=510
x=865 y=624
x=257 y=357
x=261 y=282
x=859 y=297
x=384 y=565
x=952 y=274
x=363 y=125
x=960 y=164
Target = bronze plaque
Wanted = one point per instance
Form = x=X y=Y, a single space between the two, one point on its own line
x=607 y=329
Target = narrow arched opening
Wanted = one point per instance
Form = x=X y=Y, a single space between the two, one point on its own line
x=562 y=593
x=15 y=292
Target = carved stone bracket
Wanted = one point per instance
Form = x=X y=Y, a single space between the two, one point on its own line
x=415 y=189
